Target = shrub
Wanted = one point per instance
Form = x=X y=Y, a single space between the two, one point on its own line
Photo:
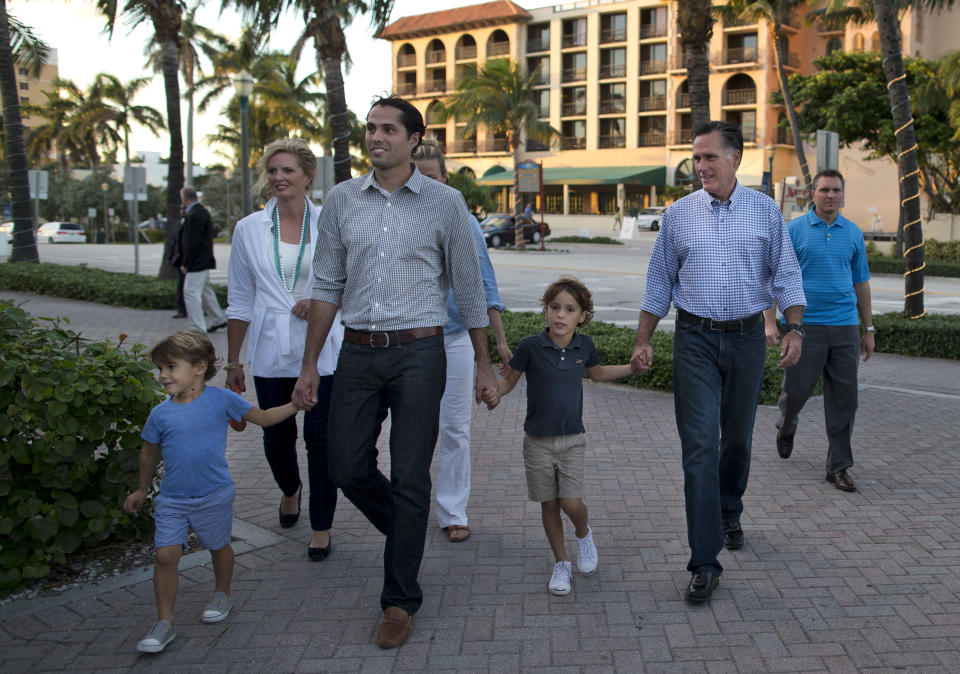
x=586 y=239
x=883 y=264
x=930 y=336
x=71 y=411
x=94 y=285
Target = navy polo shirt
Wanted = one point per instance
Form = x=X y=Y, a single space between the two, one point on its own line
x=554 y=382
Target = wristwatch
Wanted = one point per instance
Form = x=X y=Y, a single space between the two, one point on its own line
x=795 y=327
x=870 y=328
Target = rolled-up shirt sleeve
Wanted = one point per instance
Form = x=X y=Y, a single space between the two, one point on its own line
x=329 y=255
x=463 y=268
x=662 y=270
x=787 y=280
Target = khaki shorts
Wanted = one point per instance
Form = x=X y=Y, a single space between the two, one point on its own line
x=554 y=466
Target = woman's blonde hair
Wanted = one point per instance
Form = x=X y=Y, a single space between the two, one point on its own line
x=298 y=148
x=190 y=345
x=430 y=149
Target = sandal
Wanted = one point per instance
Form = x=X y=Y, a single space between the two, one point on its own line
x=457 y=533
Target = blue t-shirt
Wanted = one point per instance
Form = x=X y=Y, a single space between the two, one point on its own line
x=832 y=259
x=193 y=441
x=554 y=382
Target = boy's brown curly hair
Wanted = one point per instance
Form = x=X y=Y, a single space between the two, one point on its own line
x=190 y=345
x=576 y=289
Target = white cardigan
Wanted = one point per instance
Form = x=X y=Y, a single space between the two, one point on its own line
x=255 y=294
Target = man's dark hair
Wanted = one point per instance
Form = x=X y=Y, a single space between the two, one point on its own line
x=828 y=173
x=729 y=131
x=409 y=115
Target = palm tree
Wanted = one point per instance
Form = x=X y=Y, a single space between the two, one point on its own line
x=166 y=16
x=499 y=97
x=56 y=134
x=695 y=26
x=25 y=47
x=122 y=112
x=777 y=13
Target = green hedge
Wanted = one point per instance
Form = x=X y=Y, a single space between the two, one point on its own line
x=882 y=264
x=94 y=285
x=931 y=336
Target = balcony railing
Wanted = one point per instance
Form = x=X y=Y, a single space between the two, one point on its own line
x=498 y=48
x=462 y=145
x=466 y=52
x=793 y=60
x=653 y=139
x=613 y=141
x=406 y=60
x=406 y=88
x=649 y=103
x=749 y=135
x=541 y=77
x=573 y=109
x=740 y=55
x=436 y=87
x=740 y=97
x=612 y=105
x=536 y=146
x=574 y=142
x=653 y=30
x=574 y=74
x=653 y=67
x=683 y=136
x=538 y=45
x=608 y=70
x=784 y=136
x=683 y=100
x=436 y=56
x=613 y=35
x=494 y=145
x=574 y=40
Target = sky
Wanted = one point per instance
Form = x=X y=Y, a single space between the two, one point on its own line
x=83 y=50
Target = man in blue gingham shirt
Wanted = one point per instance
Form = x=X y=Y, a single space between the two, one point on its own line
x=391 y=245
x=722 y=256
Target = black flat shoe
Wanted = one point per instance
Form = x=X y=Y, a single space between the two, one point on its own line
x=702 y=585
x=287 y=521
x=320 y=554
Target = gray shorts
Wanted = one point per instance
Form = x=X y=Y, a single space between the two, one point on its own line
x=210 y=516
x=554 y=466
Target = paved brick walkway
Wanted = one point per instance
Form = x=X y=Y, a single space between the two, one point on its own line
x=827 y=581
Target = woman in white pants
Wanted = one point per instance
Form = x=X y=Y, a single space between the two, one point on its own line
x=452 y=487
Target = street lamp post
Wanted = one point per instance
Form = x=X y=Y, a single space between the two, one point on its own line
x=770 y=151
x=104 y=187
x=243 y=82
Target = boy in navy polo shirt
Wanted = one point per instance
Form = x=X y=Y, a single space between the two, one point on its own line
x=553 y=446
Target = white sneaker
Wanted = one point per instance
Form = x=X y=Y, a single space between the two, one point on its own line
x=560 y=581
x=218 y=608
x=587 y=557
x=161 y=634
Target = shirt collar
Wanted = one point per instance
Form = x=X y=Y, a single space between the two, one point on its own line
x=544 y=340
x=815 y=219
x=187 y=209
x=733 y=199
x=414 y=182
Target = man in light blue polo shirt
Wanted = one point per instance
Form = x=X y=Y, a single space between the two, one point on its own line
x=836 y=283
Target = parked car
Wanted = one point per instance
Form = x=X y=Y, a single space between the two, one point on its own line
x=498 y=230
x=61 y=232
x=6 y=229
x=649 y=218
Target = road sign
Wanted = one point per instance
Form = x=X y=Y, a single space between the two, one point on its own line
x=528 y=176
x=39 y=184
x=134 y=183
x=91 y=212
x=324 y=179
x=828 y=150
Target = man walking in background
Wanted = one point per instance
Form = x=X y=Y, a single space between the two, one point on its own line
x=196 y=261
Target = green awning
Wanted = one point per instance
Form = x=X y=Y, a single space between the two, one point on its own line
x=586 y=175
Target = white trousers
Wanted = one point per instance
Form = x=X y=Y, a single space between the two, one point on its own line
x=453 y=443
x=198 y=296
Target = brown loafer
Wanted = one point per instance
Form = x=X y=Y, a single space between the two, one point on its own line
x=395 y=628
x=784 y=445
x=841 y=480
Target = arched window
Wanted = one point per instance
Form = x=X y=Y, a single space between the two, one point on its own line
x=436 y=52
x=859 y=44
x=740 y=90
x=683 y=95
x=407 y=56
x=875 y=43
x=834 y=44
x=466 y=48
x=432 y=117
x=498 y=44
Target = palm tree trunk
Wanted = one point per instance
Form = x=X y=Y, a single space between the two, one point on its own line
x=24 y=240
x=171 y=81
x=189 y=167
x=779 y=51
x=695 y=25
x=330 y=44
x=518 y=241
x=907 y=162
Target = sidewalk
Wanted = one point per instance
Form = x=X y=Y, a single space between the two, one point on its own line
x=827 y=581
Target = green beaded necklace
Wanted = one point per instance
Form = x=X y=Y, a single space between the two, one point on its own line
x=303 y=245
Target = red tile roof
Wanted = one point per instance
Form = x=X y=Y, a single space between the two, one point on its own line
x=452 y=20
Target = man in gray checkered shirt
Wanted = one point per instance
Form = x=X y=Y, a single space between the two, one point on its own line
x=391 y=245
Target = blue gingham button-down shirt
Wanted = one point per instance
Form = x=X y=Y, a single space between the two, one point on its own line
x=393 y=257
x=723 y=260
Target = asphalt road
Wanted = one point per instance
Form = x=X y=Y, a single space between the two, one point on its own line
x=615 y=274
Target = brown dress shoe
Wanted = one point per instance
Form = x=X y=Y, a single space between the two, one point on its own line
x=784 y=445
x=841 y=480
x=395 y=628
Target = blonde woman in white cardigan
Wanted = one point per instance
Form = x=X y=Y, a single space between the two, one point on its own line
x=269 y=288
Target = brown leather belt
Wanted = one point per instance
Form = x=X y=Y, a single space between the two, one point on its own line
x=381 y=339
x=735 y=325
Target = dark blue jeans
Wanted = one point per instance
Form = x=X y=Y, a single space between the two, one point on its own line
x=409 y=379
x=280 y=446
x=717 y=378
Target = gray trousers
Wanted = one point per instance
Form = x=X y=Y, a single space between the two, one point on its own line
x=834 y=351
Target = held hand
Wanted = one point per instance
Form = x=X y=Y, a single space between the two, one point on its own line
x=867 y=344
x=642 y=358
x=134 y=501
x=491 y=397
x=235 y=380
x=486 y=386
x=305 y=392
x=790 y=347
x=505 y=356
x=301 y=309
x=772 y=334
